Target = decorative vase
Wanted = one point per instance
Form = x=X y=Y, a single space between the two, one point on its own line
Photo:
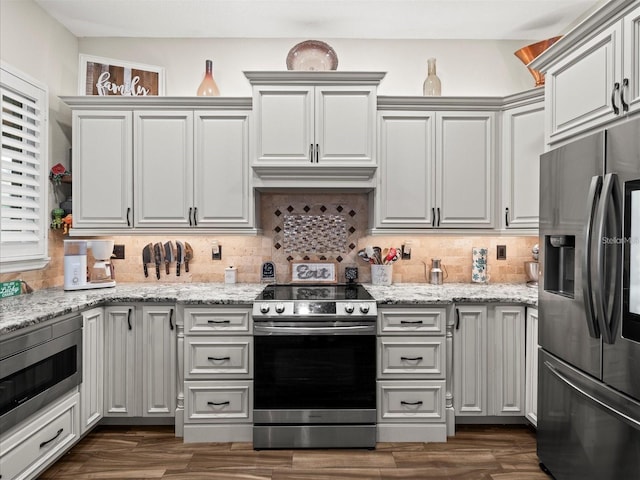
x=530 y=52
x=208 y=87
x=431 y=86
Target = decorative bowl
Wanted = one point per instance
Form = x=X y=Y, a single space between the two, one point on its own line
x=312 y=55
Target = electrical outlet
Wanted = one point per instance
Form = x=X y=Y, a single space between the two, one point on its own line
x=118 y=252
x=216 y=250
x=406 y=250
x=501 y=252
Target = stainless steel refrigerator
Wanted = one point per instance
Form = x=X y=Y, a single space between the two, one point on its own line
x=589 y=307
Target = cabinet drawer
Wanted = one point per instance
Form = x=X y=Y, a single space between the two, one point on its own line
x=224 y=401
x=219 y=357
x=230 y=321
x=411 y=357
x=403 y=401
x=403 y=321
x=36 y=445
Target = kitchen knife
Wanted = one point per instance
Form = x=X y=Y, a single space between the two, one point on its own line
x=146 y=258
x=169 y=255
x=188 y=255
x=157 y=250
x=179 y=256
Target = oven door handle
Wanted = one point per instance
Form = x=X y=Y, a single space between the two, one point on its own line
x=330 y=330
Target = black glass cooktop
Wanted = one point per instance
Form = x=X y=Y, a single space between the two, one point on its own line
x=315 y=292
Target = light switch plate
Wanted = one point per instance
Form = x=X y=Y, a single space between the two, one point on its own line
x=501 y=252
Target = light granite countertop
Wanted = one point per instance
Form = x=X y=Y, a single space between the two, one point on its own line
x=30 y=309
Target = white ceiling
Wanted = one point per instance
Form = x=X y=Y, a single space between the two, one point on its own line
x=320 y=19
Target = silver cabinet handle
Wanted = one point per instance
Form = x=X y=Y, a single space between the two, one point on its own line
x=46 y=442
x=616 y=88
x=625 y=105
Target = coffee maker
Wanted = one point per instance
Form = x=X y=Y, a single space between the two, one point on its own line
x=76 y=275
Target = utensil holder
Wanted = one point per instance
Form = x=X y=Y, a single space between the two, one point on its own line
x=479 y=265
x=381 y=274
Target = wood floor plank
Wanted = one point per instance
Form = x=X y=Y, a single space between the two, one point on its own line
x=127 y=453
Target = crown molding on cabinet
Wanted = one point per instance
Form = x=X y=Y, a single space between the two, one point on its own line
x=332 y=77
x=113 y=102
x=608 y=14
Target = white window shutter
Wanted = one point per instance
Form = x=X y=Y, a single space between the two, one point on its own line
x=23 y=172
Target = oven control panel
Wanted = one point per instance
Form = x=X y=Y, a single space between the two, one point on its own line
x=324 y=309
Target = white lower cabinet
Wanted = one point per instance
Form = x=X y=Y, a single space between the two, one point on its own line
x=140 y=361
x=34 y=445
x=488 y=359
x=531 y=368
x=215 y=353
x=91 y=388
x=411 y=372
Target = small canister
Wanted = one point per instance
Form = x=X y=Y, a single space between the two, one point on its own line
x=230 y=275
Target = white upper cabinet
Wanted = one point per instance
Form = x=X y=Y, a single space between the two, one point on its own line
x=436 y=168
x=522 y=145
x=102 y=167
x=163 y=158
x=592 y=74
x=156 y=164
x=465 y=152
x=314 y=128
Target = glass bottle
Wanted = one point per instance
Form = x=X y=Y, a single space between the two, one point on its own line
x=431 y=87
x=208 y=86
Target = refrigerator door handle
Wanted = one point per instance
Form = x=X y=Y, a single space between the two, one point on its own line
x=608 y=326
x=613 y=411
x=587 y=286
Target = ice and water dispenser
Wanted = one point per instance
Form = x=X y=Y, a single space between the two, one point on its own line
x=559 y=264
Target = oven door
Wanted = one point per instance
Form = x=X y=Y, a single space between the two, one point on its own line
x=314 y=378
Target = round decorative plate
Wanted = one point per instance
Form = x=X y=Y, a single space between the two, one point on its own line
x=312 y=55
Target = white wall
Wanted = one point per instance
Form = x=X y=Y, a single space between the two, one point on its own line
x=474 y=68
x=36 y=44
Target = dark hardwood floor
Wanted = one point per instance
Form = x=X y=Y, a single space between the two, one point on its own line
x=476 y=452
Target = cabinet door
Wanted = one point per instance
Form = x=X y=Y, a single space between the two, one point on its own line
x=465 y=151
x=470 y=360
x=158 y=344
x=221 y=166
x=163 y=168
x=91 y=388
x=580 y=88
x=283 y=125
x=506 y=361
x=102 y=168
x=531 y=373
x=345 y=125
x=631 y=29
x=405 y=196
x=120 y=363
x=523 y=143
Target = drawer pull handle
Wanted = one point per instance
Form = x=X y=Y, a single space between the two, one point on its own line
x=411 y=359
x=411 y=322
x=43 y=444
x=218 y=321
x=217 y=404
x=419 y=402
x=218 y=359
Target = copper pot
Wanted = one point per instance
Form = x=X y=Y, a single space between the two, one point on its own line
x=530 y=52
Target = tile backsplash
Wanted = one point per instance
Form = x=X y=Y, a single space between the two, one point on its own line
x=315 y=227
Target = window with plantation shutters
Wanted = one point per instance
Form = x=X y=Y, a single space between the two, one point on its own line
x=23 y=173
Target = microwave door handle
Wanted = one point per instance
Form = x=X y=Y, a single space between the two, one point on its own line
x=587 y=284
x=608 y=326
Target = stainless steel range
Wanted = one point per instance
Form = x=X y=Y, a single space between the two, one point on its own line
x=314 y=367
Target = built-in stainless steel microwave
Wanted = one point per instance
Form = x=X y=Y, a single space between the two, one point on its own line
x=37 y=367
